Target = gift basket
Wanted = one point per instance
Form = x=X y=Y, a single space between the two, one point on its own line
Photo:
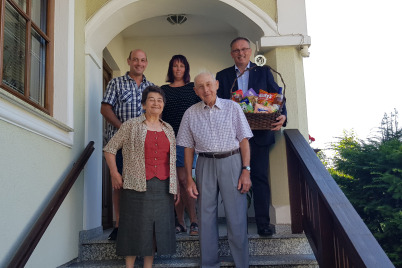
x=260 y=108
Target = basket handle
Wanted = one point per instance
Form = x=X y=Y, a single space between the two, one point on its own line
x=263 y=66
x=271 y=69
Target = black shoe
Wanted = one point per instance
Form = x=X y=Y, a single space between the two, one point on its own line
x=113 y=234
x=265 y=231
x=180 y=229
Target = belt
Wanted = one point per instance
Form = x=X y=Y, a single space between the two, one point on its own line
x=220 y=155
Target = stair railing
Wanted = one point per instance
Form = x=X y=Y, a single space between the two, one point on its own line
x=30 y=242
x=336 y=233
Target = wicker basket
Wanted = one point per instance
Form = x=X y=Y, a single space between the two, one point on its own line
x=263 y=121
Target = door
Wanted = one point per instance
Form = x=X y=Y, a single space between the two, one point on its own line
x=107 y=204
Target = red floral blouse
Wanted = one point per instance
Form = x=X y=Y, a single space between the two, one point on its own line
x=157 y=148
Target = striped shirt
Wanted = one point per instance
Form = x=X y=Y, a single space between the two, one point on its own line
x=242 y=81
x=123 y=94
x=217 y=129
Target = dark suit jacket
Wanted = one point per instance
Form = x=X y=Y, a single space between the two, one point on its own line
x=259 y=78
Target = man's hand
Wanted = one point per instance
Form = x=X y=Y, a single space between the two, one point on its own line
x=244 y=182
x=192 y=189
x=109 y=115
x=280 y=121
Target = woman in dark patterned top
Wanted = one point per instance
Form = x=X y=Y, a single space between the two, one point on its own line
x=180 y=95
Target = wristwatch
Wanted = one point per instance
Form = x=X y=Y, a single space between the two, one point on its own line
x=246 y=167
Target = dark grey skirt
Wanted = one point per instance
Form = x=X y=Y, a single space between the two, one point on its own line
x=140 y=214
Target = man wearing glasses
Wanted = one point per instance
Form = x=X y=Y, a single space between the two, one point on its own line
x=257 y=78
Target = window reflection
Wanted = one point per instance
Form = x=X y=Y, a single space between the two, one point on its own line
x=38 y=64
x=14 y=50
x=38 y=13
x=22 y=4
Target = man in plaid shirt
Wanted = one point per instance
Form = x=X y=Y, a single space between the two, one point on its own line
x=122 y=101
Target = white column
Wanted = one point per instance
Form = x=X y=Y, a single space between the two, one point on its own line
x=93 y=132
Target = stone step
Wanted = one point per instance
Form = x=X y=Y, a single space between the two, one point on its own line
x=283 y=249
x=271 y=261
x=281 y=243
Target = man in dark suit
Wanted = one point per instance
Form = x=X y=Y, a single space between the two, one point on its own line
x=257 y=78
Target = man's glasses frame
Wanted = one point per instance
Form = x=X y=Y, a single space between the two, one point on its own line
x=237 y=51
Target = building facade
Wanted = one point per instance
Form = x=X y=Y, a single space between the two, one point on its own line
x=43 y=131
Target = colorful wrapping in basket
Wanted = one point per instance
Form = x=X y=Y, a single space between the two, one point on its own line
x=262 y=108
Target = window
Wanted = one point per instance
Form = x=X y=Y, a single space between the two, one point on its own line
x=26 y=58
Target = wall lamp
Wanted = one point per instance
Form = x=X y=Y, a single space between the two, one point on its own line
x=304 y=51
x=176 y=18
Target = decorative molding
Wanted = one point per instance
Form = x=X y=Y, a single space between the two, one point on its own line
x=21 y=114
x=97 y=59
x=269 y=42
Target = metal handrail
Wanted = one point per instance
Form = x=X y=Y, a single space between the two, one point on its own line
x=30 y=242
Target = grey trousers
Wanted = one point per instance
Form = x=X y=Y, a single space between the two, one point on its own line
x=214 y=176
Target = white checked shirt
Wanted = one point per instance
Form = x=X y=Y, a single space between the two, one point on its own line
x=216 y=129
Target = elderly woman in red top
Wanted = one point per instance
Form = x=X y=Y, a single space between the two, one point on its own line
x=149 y=182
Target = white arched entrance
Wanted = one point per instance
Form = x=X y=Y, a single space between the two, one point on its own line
x=205 y=43
x=116 y=16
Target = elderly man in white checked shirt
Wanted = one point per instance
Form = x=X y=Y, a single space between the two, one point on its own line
x=218 y=131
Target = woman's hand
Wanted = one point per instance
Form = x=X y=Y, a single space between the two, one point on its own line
x=115 y=176
x=117 y=180
x=177 y=198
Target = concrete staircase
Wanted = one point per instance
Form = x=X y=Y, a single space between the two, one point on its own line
x=283 y=249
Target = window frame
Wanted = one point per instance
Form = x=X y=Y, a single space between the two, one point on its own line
x=49 y=61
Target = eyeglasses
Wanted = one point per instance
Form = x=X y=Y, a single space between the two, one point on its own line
x=237 y=51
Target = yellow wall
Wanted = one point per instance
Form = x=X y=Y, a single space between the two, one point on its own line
x=289 y=63
x=92 y=6
x=268 y=6
x=206 y=52
x=117 y=49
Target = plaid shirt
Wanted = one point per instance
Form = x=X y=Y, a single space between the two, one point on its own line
x=217 y=129
x=123 y=94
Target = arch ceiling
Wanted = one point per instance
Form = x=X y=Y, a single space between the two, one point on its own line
x=137 y=18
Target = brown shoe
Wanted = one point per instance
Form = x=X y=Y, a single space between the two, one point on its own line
x=193 y=229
